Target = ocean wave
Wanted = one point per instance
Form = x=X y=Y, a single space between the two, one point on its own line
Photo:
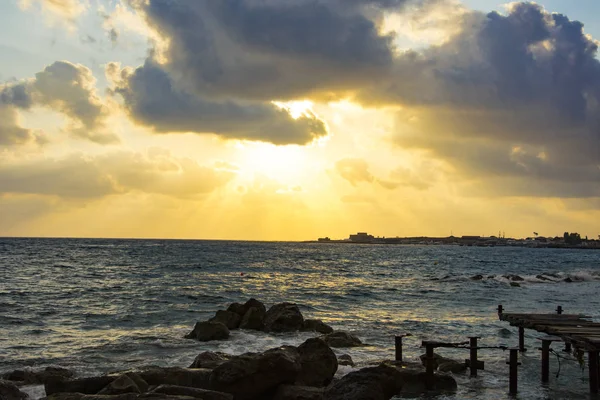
x=545 y=277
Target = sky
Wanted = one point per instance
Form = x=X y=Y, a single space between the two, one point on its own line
x=298 y=119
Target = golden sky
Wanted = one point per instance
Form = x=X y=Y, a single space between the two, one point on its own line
x=263 y=120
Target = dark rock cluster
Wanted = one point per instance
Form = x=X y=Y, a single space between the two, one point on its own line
x=253 y=315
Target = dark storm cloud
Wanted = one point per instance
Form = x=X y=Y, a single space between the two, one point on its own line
x=528 y=81
x=271 y=49
x=151 y=98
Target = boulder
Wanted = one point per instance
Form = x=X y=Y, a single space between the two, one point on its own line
x=210 y=360
x=83 y=385
x=254 y=319
x=228 y=318
x=414 y=383
x=191 y=377
x=10 y=391
x=318 y=363
x=316 y=325
x=121 y=385
x=31 y=377
x=341 y=339
x=515 y=284
x=476 y=278
x=254 y=303
x=207 y=331
x=568 y=280
x=290 y=392
x=374 y=383
x=81 y=396
x=237 y=308
x=345 y=359
x=254 y=376
x=139 y=381
x=283 y=317
x=191 y=392
x=437 y=360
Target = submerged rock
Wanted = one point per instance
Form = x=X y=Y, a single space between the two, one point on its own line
x=341 y=339
x=228 y=318
x=210 y=360
x=318 y=363
x=515 y=284
x=207 y=331
x=374 y=383
x=283 y=317
x=345 y=359
x=316 y=325
x=191 y=377
x=476 y=278
x=83 y=385
x=251 y=375
x=32 y=377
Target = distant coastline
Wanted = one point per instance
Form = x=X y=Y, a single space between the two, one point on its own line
x=568 y=241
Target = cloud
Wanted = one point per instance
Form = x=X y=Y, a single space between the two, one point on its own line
x=81 y=177
x=271 y=50
x=354 y=170
x=61 y=10
x=152 y=98
x=515 y=96
x=66 y=88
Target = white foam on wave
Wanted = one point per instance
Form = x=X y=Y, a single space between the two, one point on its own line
x=34 y=392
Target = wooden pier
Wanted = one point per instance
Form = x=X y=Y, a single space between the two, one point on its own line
x=575 y=330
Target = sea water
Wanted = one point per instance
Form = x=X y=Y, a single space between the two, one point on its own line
x=96 y=306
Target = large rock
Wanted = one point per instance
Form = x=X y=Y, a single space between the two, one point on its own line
x=341 y=339
x=121 y=385
x=374 y=383
x=83 y=385
x=210 y=360
x=250 y=375
x=316 y=325
x=254 y=319
x=192 y=392
x=242 y=309
x=81 y=396
x=283 y=317
x=414 y=383
x=228 y=318
x=191 y=377
x=10 y=391
x=207 y=331
x=33 y=377
x=290 y=392
x=318 y=363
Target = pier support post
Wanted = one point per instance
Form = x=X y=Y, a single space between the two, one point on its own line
x=593 y=369
x=429 y=365
x=545 y=360
x=500 y=311
x=522 y=348
x=398 y=344
x=473 y=355
x=513 y=363
x=568 y=347
x=559 y=310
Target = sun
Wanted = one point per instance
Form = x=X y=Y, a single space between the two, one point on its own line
x=286 y=164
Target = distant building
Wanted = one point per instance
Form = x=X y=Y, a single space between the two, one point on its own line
x=325 y=239
x=362 y=237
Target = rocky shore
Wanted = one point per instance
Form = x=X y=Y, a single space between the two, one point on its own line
x=306 y=372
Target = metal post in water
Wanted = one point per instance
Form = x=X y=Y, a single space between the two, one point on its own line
x=559 y=310
x=500 y=310
x=521 y=339
x=429 y=365
x=398 y=343
x=513 y=368
x=546 y=360
x=473 y=355
x=593 y=369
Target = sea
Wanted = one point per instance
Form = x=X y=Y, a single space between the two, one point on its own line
x=102 y=305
